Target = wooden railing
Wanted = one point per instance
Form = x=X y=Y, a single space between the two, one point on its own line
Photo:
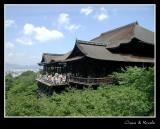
x=105 y=80
x=49 y=82
x=79 y=80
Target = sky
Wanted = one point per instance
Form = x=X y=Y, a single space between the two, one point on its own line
x=31 y=30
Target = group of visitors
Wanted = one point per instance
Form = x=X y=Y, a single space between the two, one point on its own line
x=55 y=79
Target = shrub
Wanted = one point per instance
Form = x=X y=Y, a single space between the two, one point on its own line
x=9 y=82
x=133 y=97
x=137 y=77
x=126 y=101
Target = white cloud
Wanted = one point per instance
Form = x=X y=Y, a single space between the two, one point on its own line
x=87 y=10
x=43 y=34
x=63 y=18
x=24 y=41
x=9 y=45
x=9 y=23
x=102 y=15
x=64 y=21
x=28 y=29
x=33 y=34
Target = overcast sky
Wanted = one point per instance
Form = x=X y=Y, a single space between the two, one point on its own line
x=31 y=30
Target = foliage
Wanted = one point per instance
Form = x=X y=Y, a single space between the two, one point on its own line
x=130 y=98
x=8 y=81
x=126 y=101
x=137 y=77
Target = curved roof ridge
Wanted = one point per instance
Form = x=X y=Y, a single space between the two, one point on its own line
x=144 y=34
x=90 y=43
x=116 y=29
x=101 y=53
x=52 y=54
x=122 y=27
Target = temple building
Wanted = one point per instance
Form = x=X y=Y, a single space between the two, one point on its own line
x=129 y=45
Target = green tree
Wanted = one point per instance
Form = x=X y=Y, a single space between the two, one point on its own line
x=132 y=97
x=9 y=81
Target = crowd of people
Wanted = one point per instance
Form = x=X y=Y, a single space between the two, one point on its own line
x=55 y=79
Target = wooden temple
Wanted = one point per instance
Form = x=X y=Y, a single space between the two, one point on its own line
x=92 y=62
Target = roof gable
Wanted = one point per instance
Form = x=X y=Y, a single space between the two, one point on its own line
x=48 y=57
x=101 y=53
x=97 y=47
x=125 y=34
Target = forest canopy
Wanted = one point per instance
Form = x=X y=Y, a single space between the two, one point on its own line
x=132 y=96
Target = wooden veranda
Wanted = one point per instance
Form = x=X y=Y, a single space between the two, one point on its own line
x=50 y=83
x=91 y=81
x=79 y=81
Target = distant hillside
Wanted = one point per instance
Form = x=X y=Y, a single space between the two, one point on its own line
x=16 y=66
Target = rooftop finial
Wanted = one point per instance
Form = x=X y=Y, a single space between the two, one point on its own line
x=76 y=40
